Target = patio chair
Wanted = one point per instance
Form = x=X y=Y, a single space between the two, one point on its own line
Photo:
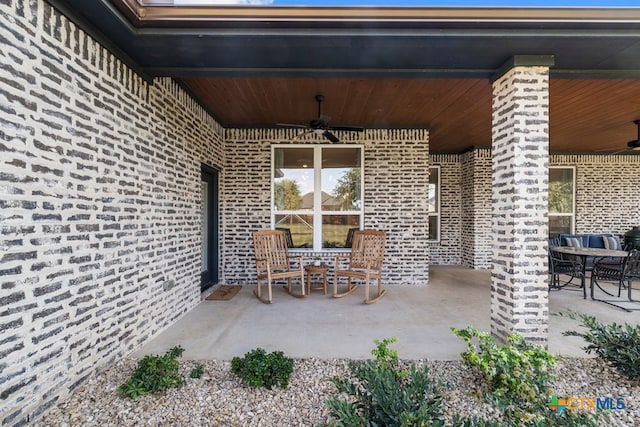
x=554 y=241
x=363 y=263
x=273 y=262
x=563 y=270
x=622 y=274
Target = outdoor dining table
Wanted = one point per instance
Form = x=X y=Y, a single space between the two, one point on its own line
x=585 y=253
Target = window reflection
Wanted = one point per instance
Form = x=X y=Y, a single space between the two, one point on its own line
x=293 y=179
x=341 y=179
x=561 y=199
x=335 y=229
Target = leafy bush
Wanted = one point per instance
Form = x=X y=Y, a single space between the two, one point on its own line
x=384 y=395
x=518 y=374
x=154 y=374
x=515 y=371
x=197 y=371
x=618 y=345
x=259 y=369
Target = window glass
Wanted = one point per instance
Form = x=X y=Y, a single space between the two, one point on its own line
x=561 y=190
x=434 y=203
x=561 y=200
x=559 y=225
x=341 y=179
x=434 y=199
x=317 y=193
x=301 y=227
x=293 y=179
x=335 y=229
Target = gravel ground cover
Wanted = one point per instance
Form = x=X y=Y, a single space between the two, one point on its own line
x=219 y=399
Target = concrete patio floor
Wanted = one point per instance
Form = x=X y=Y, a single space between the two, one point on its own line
x=324 y=327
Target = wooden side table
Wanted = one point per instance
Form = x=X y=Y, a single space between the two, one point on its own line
x=317 y=269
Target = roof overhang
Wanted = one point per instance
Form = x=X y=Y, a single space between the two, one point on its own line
x=260 y=65
x=412 y=42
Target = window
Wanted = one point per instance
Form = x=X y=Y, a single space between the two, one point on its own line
x=317 y=193
x=561 y=200
x=434 y=203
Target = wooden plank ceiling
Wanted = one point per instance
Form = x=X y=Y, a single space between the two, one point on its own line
x=585 y=115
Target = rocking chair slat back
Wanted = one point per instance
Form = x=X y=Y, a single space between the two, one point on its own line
x=367 y=250
x=271 y=246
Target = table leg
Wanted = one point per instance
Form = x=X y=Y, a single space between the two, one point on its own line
x=324 y=283
x=584 y=276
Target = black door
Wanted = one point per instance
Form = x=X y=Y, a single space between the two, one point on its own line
x=209 y=227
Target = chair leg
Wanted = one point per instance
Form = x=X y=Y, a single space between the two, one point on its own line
x=290 y=291
x=366 y=288
x=258 y=292
x=380 y=292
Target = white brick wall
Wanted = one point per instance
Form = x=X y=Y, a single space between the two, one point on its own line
x=99 y=207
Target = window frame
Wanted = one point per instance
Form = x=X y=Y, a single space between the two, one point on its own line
x=571 y=215
x=317 y=211
x=438 y=213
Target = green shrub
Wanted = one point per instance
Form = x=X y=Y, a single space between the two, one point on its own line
x=386 y=356
x=518 y=375
x=384 y=395
x=154 y=374
x=516 y=371
x=259 y=369
x=197 y=371
x=618 y=345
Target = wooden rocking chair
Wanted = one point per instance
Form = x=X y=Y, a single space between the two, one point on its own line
x=273 y=262
x=364 y=262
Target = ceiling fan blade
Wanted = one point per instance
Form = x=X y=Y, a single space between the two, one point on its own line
x=347 y=128
x=331 y=137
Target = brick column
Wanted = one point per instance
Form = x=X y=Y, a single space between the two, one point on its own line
x=520 y=146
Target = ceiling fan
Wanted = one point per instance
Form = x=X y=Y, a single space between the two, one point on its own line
x=633 y=145
x=321 y=125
